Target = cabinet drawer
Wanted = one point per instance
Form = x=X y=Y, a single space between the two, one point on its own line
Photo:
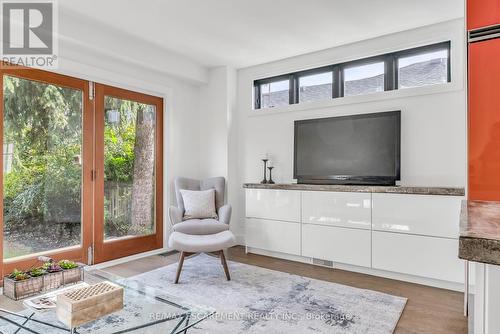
x=273 y=235
x=350 y=246
x=417 y=214
x=337 y=209
x=418 y=255
x=273 y=204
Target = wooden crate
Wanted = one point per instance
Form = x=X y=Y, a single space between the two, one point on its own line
x=74 y=275
x=80 y=306
x=53 y=280
x=21 y=289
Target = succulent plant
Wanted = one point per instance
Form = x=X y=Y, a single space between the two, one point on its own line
x=67 y=264
x=14 y=273
x=35 y=272
x=21 y=276
x=51 y=267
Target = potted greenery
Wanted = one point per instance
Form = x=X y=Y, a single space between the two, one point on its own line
x=53 y=279
x=20 y=284
x=51 y=275
x=72 y=272
x=36 y=272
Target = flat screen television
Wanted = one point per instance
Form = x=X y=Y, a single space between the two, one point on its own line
x=358 y=149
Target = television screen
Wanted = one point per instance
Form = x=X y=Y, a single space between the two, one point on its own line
x=359 y=149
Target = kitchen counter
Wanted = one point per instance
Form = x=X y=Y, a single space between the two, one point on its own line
x=415 y=190
x=480 y=232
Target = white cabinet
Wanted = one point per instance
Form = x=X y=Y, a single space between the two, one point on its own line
x=338 y=244
x=484 y=307
x=273 y=204
x=417 y=255
x=417 y=214
x=341 y=209
x=400 y=233
x=273 y=235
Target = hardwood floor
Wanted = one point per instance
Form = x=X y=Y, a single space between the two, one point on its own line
x=428 y=311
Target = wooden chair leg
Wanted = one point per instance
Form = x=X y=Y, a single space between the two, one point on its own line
x=224 y=264
x=179 y=267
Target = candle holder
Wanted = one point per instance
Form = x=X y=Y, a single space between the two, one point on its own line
x=265 y=172
x=270 y=175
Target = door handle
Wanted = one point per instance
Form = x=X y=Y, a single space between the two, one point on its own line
x=93 y=174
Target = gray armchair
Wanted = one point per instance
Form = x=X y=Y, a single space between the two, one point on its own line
x=200 y=226
x=201 y=235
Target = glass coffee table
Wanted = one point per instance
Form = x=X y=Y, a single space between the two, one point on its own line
x=146 y=310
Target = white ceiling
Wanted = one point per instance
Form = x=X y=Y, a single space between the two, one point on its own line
x=242 y=33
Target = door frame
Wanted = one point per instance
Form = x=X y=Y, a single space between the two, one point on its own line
x=78 y=252
x=121 y=247
x=91 y=184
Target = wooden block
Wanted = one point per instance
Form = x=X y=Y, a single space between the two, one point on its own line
x=79 y=306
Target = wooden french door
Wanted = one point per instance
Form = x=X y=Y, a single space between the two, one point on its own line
x=46 y=125
x=128 y=198
x=81 y=174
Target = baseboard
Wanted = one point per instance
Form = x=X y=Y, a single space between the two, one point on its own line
x=363 y=270
x=128 y=259
x=240 y=240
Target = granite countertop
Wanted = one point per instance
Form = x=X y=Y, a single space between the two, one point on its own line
x=480 y=232
x=447 y=191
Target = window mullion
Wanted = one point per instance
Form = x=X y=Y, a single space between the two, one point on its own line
x=336 y=90
x=390 y=72
x=257 y=96
x=341 y=81
x=293 y=89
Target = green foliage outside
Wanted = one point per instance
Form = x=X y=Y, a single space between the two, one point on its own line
x=43 y=122
x=119 y=142
x=42 y=188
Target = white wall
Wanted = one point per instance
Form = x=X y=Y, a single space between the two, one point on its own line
x=214 y=124
x=217 y=137
x=433 y=118
x=82 y=36
x=181 y=107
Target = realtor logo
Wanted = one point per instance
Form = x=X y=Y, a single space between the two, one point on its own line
x=28 y=33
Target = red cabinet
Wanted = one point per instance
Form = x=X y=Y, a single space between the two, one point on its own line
x=484 y=120
x=482 y=13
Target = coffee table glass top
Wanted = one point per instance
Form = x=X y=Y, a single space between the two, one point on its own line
x=146 y=310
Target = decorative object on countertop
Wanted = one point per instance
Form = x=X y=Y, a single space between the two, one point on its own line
x=270 y=175
x=83 y=305
x=51 y=275
x=264 y=180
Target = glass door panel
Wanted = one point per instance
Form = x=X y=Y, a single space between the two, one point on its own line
x=128 y=162
x=129 y=168
x=42 y=166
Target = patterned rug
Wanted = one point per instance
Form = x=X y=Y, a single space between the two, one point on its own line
x=259 y=300
x=255 y=301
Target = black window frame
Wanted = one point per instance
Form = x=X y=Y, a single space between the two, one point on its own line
x=319 y=70
x=390 y=72
x=422 y=50
x=362 y=62
x=277 y=78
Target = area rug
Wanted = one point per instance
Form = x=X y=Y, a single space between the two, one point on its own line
x=259 y=300
x=255 y=301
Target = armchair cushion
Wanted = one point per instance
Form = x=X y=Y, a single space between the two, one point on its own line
x=225 y=214
x=201 y=243
x=175 y=215
x=198 y=204
x=200 y=227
